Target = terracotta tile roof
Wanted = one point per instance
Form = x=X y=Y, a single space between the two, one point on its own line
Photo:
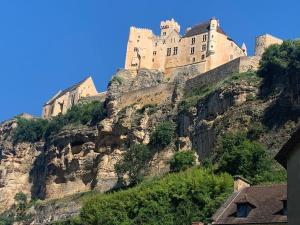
x=201 y=29
x=266 y=202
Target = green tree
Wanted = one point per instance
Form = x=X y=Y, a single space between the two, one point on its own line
x=29 y=130
x=241 y=156
x=162 y=135
x=280 y=67
x=135 y=162
x=177 y=198
x=182 y=160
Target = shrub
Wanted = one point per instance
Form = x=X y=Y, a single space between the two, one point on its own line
x=180 y=198
x=29 y=130
x=162 y=135
x=40 y=129
x=116 y=79
x=6 y=219
x=241 y=156
x=182 y=160
x=279 y=67
x=134 y=163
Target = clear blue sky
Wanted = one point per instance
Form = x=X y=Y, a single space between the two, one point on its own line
x=48 y=45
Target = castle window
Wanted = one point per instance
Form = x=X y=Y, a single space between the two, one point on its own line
x=135 y=49
x=202 y=57
x=164 y=33
x=204 y=38
x=203 y=48
x=152 y=60
x=193 y=40
x=169 y=51
x=192 y=50
x=175 y=51
x=154 y=53
x=194 y=59
x=139 y=36
x=164 y=42
x=155 y=44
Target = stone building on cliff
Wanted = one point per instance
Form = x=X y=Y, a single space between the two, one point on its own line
x=64 y=100
x=205 y=45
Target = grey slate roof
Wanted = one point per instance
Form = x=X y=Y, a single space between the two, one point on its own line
x=201 y=29
x=69 y=89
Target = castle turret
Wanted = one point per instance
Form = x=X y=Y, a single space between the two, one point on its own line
x=168 y=26
x=212 y=35
x=244 y=48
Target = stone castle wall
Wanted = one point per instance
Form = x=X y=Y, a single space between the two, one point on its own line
x=239 y=65
x=151 y=95
x=264 y=41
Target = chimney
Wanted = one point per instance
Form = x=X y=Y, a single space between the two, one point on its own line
x=240 y=183
x=197 y=223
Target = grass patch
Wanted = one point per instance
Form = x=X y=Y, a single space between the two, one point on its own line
x=191 y=97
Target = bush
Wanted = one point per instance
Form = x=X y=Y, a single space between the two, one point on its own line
x=182 y=160
x=40 y=129
x=180 y=198
x=116 y=79
x=134 y=163
x=29 y=130
x=279 y=67
x=241 y=156
x=162 y=135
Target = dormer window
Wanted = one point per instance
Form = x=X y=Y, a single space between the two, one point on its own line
x=243 y=210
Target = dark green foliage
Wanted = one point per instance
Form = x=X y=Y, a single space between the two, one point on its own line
x=162 y=135
x=6 y=219
x=116 y=79
x=255 y=131
x=135 y=162
x=175 y=199
x=21 y=200
x=182 y=160
x=280 y=67
x=30 y=130
x=40 y=129
x=241 y=156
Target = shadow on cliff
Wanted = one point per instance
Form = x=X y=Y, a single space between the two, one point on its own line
x=37 y=176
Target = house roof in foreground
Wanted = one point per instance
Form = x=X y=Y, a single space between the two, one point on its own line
x=266 y=202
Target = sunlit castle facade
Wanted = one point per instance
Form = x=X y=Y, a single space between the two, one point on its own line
x=205 y=46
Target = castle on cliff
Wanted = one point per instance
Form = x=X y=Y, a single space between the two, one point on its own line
x=205 y=46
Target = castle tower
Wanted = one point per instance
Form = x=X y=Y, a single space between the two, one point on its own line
x=212 y=33
x=244 y=48
x=168 y=26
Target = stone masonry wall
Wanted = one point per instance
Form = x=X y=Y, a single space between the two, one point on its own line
x=151 y=95
x=239 y=65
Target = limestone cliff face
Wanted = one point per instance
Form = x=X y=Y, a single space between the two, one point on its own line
x=83 y=158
